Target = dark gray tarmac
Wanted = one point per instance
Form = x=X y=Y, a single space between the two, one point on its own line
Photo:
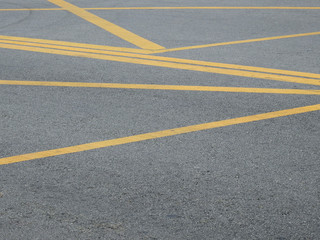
x=257 y=180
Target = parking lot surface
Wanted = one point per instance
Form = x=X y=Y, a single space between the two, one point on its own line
x=177 y=119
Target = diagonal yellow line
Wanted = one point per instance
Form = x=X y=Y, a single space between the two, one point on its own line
x=108 y=26
x=238 y=42
x=158 y=134
x=90 y=48
x=165 y=64
x=161 y=87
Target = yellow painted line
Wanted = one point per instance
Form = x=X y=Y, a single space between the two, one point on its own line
x=109 y=50
x=238 y=42
x=170 y=8
x=162 y=87
x=158 y=134
x=204 y=8
x=108 y=26
x=71 y=48
x=30 y=9
x=167 y=64
x=73 y=44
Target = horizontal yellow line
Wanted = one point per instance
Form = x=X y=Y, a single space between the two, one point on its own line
x=73 y=44
x=72 y=48
x=162 y=87
x=166 y=64
x=158 y=134
x=108 y=26
x=110 y=50
x=169 y=8
x=204 y=8
x=238 y=42
x=31 y=9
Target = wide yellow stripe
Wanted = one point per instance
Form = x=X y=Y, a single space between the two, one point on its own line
x=170 y=8
x=167 y=64
x=162 y=87
x=238 y=42
x=158 y=134
x=110 y=50
x=108 y=26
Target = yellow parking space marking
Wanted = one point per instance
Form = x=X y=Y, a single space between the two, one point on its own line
x=160 y=63
x=170 y=8
x=158 y=134
x=31 y=9
x=205 y=8
x=108 y=26
x=110 y=50
x=238 y=42
x=73 y=44
x=161 y=87
x=136 y=56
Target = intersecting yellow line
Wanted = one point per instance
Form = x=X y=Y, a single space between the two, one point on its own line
x=160 y=62
x=161 y=87
x=105 y=54
x=101 y=49
x=108 y=26
x=158 y=134
x=145 y=51
x=238 y=42
x=163 y=50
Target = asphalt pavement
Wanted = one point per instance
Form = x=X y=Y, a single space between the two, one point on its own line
x=180 y=119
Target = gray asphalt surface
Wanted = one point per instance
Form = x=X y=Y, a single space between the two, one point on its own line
x=257 y=180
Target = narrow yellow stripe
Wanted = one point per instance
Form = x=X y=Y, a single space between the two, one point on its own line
x=73 y=44
x=204 y=8
x=162 y=87
x=109 y=50
x=238 y=42
x=168 y=64
x=30 y=9
x=159 y=134
x=170 y=8
x=108 y=26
